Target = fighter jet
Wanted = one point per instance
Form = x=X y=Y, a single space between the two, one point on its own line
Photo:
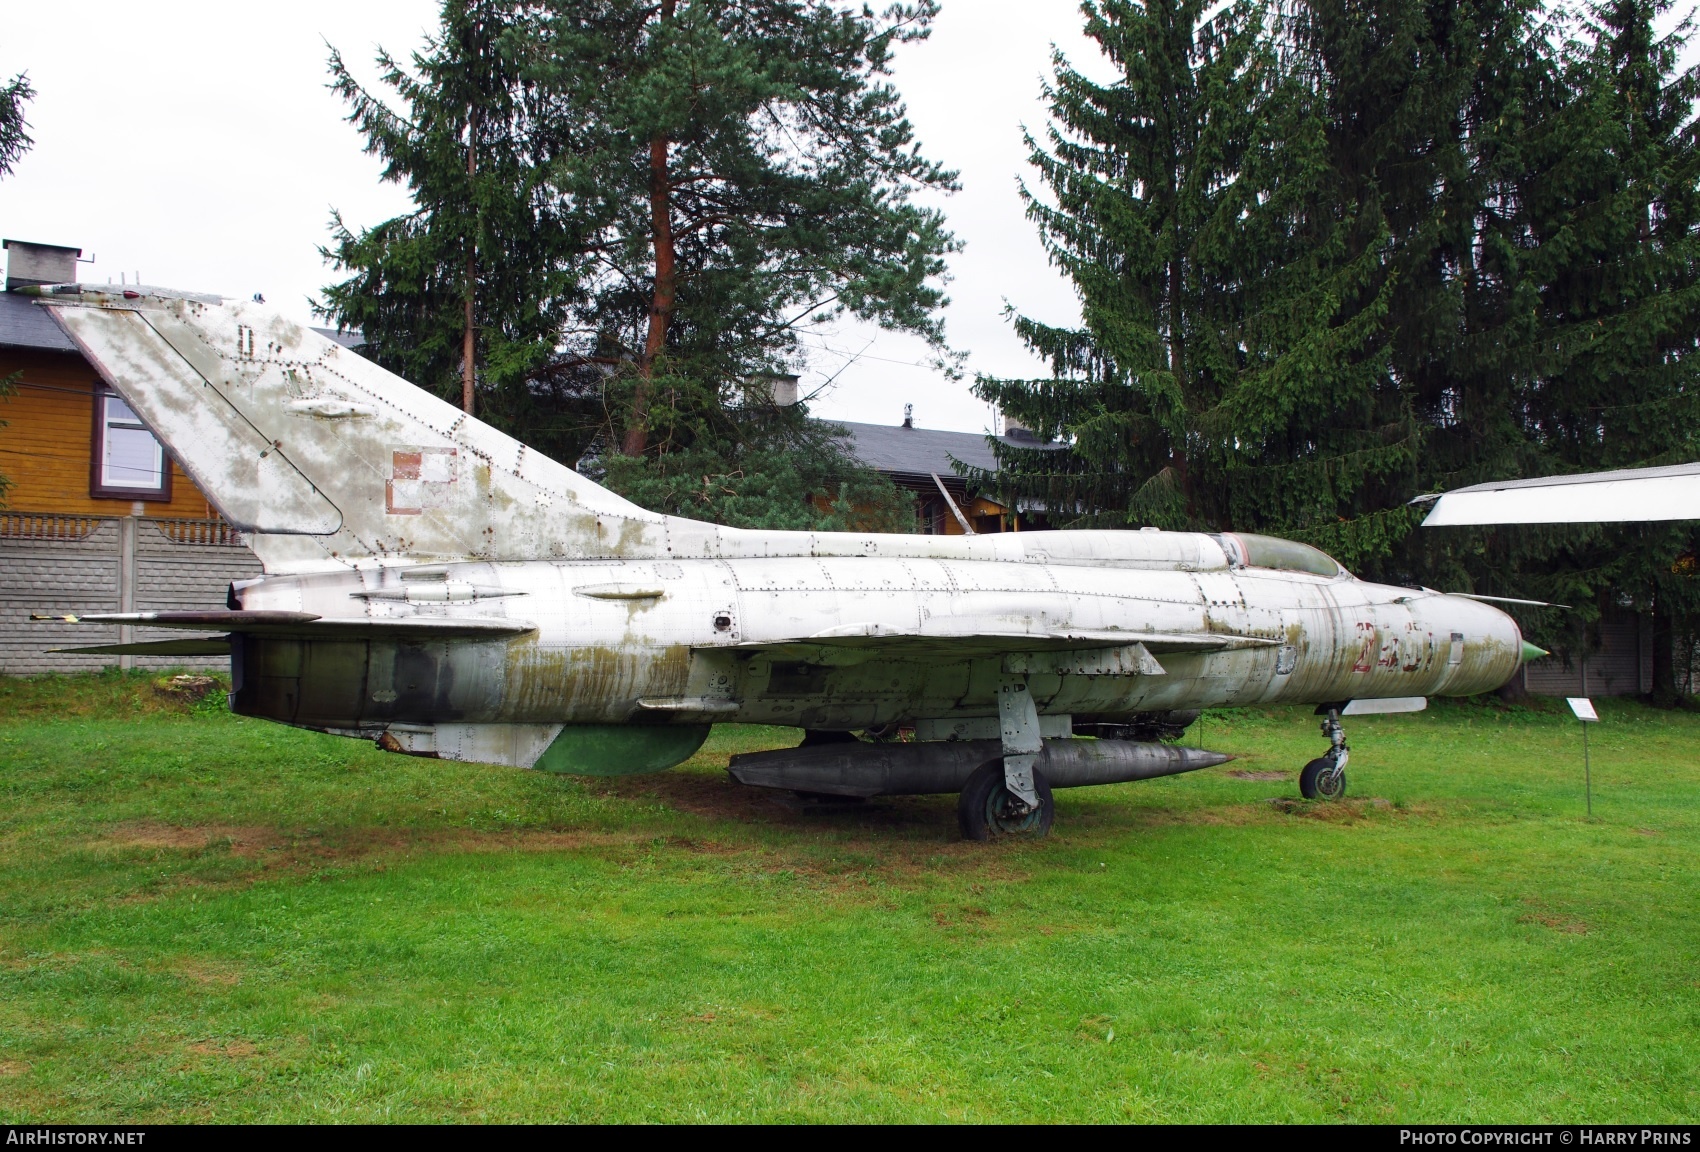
x=440 y=589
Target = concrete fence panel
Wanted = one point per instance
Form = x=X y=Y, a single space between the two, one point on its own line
x=88 y=564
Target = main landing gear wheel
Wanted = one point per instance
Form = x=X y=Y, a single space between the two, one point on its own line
x=1321 y=780
x=988 y=809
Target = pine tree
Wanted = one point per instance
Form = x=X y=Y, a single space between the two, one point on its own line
x=14 y=134
x=749 y=170
x=665 y=195
x=469 y=293
x=780 y=471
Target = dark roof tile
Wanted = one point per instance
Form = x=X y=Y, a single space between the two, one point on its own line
x=352 y=338
x=24 y=325
x=922 y=451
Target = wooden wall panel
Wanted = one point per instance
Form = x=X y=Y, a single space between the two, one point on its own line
x=45 y=446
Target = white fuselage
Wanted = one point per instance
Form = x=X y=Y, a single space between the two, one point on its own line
x=797 y=640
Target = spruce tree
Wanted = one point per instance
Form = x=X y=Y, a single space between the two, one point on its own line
x=1146 y=221
x=1639 y=365
x=1563 y=270
x=1440 y=118
x=1464 y=249
x=1612 y=264
x=1358 y=318
x=1230 y=370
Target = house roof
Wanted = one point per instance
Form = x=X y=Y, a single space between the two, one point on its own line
x=920 y=452
x=23 y=325
x=352 y=338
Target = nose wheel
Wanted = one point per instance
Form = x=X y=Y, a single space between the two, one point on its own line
x=1325 y=777
x=1322 y=780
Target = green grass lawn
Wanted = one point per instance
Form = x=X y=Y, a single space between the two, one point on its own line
x=204 y=917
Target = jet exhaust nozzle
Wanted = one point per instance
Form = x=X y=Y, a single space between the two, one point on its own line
x=862 y=769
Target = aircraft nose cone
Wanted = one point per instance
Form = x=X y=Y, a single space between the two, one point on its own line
x=1480 y=646
x=1532 y=652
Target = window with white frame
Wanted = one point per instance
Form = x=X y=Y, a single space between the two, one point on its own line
x=128 y=461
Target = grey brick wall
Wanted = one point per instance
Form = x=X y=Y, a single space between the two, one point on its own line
x=63 y=564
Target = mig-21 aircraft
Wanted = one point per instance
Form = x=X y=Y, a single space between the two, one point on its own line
x=437 y=587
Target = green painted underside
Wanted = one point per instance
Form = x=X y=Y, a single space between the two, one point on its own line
x=620 y=749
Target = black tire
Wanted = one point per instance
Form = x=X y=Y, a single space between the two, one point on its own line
x=814 y=737
x=987 y=809
x=1320 y=780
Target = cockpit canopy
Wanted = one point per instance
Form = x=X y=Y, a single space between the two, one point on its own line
x=1246 y=550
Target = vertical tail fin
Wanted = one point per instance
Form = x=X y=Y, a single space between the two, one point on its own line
x=326 y=458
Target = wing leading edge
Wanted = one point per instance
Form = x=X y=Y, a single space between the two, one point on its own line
x=307 y=626
x=990 y=642
x=1629 y=495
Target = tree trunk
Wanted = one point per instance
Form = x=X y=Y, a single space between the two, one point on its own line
x=1664 y=663
x=1178 y=454
x=469 y=344
x=466 y=370
x=666 y=282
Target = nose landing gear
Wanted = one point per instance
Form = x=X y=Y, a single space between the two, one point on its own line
x=1325 y=777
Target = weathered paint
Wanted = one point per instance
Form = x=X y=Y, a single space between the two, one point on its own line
x=620 y=749
x=373 y=504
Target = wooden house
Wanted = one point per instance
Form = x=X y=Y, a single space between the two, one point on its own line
x=95 y=515
x=72 y=447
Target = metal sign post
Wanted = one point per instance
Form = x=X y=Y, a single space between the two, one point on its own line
x=1584 y=710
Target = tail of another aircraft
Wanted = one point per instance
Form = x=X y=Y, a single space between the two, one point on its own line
x=326 y=458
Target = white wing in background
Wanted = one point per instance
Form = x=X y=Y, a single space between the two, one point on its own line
x=1628 y=495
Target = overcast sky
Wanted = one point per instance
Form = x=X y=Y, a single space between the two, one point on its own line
x=195 y=144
